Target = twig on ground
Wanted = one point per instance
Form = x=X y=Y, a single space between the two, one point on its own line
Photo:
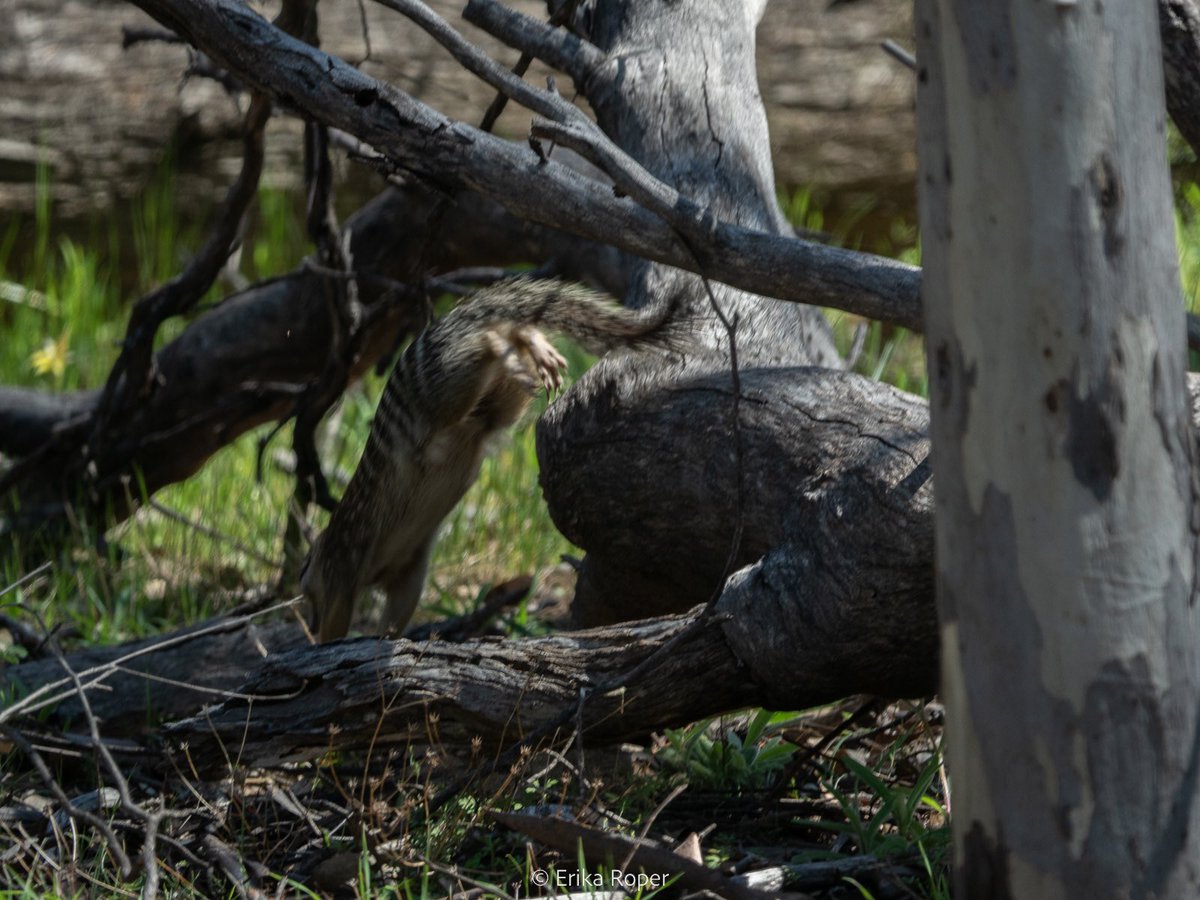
x=827 y=873
x=151 y=821
x=649 y=823
x=485 y=889
x=801 y=761
x=697 y=622
x=567 y=837
x=230 y=863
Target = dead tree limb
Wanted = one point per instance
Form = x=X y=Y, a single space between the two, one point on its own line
x=658 y=535
x=299 y=703
x=133 y=372
x=183 y=424
x=381 y=693
x=135 y=685
x=843 y=604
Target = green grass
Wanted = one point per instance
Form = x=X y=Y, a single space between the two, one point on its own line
x=889 y=353
x=1187 y=229
x=63 y=319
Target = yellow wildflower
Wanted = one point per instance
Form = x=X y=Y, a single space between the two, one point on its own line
x=52 y=358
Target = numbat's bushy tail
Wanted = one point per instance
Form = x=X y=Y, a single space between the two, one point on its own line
x=464 y=379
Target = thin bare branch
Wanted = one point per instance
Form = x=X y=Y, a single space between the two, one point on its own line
x=554 y=46
x=26 y=578
x=150 y=820
x=898 y=53
x=217 y=535
x=132 y=370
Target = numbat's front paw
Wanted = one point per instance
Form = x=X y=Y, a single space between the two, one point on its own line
x=548 y=363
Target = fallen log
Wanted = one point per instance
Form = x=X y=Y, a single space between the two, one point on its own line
x=641 y=468
x=299 y=702
x=843 y=604
x=134 y=686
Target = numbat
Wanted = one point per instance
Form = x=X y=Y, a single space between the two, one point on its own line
x=463 y=381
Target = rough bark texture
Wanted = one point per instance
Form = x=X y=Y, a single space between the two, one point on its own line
x=659 y=536
x=101 y=117
x=684 y=108
x=382 y=693
x=840 y=111
x=155 y=685
x=1064 y=452
x=300 y=703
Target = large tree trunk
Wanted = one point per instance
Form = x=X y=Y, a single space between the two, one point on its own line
x=661 y=473
x=1065 y=455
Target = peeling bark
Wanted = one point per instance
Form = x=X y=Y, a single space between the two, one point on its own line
x=1064 y=450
